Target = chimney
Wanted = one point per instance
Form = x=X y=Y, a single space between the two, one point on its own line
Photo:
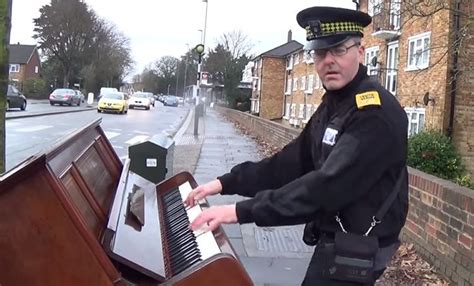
x=290 y=34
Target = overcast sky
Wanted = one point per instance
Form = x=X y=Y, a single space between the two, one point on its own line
x=158 y=28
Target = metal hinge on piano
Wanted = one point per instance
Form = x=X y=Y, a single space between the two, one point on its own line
x=149 y=239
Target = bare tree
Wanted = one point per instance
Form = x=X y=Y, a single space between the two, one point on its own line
x=5 y=16
x=236 y=43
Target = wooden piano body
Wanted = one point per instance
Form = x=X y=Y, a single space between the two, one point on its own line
x=55 y=209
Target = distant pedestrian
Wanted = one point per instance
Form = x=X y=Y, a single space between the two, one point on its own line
x=339 y=175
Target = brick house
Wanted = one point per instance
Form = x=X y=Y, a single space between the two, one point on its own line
x=24 y=63
x=269 y=76
x=414 y=58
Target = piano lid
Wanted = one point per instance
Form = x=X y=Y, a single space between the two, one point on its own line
x=139 y=244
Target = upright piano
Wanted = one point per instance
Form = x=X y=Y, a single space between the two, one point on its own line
x=75 y=215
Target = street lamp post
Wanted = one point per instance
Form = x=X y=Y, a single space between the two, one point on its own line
x=200 y=51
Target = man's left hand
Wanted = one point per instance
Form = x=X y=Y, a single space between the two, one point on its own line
x=214 y=217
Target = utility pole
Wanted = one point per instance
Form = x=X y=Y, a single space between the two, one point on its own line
x=177 y=77
x=185 y=73
x=5 y=26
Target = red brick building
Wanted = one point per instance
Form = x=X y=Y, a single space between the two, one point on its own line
x=24 y=63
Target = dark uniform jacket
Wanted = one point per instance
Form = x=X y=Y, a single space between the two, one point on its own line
x=347 y=160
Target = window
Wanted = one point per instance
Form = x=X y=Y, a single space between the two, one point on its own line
x=392 y=67
x=308 y=58
x=289 y=62
x=15 y=68
x=295 y=84
x=303 y=83
x=395 y=14
x=301 y=111
x=309 y=112
x=287 y=111
x=370 y=53
x=318 y=84
x=418 y=51
x=309 y=88
x=297 y=58
x=36 y=69
x=293 y=110
x=288 y=86
x=374 y=7
x=416 y=120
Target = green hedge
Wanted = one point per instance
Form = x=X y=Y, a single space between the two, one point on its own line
x=434 y=153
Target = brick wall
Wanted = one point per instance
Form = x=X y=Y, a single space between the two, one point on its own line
x=272 y=88
x=440 y=221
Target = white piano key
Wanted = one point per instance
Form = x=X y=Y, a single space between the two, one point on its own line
x=184 y=190
x=207 y=245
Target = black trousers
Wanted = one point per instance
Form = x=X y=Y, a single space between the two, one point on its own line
x=315 y=273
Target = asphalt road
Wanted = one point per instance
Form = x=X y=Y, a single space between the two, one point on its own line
x=32 y=132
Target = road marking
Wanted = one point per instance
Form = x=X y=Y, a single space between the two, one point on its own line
x=110 y=134
x=34 y=128
x=136 y=139
x=141 y=132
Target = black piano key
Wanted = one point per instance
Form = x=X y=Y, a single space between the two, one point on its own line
x=180 y=237
x=177 y=222
x=176 y=212
x=180 y=258
x=181 y=243
x=183 y=248
x=177 y=259
x=178 y=227
x=185 y=266
x=185 y=263
x=172 y=200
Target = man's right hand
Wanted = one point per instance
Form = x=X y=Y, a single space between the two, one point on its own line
x=211 y=188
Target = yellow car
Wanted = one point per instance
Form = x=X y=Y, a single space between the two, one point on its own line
x=113 y=101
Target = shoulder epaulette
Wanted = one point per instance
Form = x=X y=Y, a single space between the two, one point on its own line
x=368 y=98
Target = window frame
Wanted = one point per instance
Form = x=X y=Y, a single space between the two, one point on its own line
x=14 y=68
x=417 y=121
x=411 y=56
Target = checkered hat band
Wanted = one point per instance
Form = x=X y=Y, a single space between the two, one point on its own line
x=333 y=28
x=328 y=28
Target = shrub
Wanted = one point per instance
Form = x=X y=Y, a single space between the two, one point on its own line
x=434 y=153
x=35 y=88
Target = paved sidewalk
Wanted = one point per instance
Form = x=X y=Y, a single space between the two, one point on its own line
x=271 y=255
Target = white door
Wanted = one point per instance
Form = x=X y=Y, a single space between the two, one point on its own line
x=392 y=65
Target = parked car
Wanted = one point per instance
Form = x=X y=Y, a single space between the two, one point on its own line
x=114 y=102
x=81 y=95
x=139 y=99
x=15 y=99
x=170 y=100
x=64 y=96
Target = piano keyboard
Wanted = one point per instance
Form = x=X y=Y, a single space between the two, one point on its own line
x=185 y=247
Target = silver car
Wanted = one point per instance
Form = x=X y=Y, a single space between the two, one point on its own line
x=64 y=96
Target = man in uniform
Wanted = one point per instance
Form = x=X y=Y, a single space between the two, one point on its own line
x=345 y=163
